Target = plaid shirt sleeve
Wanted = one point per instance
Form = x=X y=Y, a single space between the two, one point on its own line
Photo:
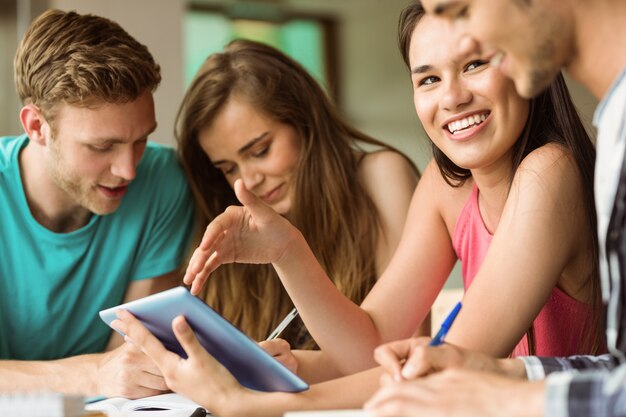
x=581 y=385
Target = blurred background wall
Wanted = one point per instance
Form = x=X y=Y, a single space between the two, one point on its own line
x=368 y=77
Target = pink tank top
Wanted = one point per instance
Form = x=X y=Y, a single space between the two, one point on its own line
x=562 y=322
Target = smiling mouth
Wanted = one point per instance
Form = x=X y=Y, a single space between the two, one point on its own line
x=467 y=122
x=267 y=197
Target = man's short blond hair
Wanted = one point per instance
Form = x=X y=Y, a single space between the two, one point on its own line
x=81 y=60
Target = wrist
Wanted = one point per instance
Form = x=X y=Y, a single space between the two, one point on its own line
x=293 y=244
x=513 y=368
x=93 y=365
x=238 y=404
x=85 y=373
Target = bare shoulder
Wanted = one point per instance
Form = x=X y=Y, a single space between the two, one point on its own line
x=551 y=156
x=387 y=174
x=550 y=169
x=387 y=163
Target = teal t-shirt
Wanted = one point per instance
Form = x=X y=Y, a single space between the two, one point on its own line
x=52 y=285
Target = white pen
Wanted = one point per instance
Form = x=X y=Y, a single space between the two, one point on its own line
x=283 y=324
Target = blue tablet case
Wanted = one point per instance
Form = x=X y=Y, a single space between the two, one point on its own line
x=253 y=367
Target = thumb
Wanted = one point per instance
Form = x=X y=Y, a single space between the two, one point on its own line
x=257 y=208
x=391 y=359
x=187 y=338
x=428 y=359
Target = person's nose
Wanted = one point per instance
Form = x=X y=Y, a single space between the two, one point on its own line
x=455 y=94
x=251 y=177
x=462 y=43
x=467 y=46
x=124 y=164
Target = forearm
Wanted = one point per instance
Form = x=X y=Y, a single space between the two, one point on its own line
x=314 y=366
x=74 y=375
x=344 y=331
x=525 y=399
x=347 y=392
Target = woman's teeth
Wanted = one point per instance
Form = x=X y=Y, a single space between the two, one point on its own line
x=466 y=122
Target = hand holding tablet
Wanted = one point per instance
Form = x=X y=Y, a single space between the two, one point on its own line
x=250 y=365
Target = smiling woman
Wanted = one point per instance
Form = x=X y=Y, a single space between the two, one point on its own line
x=254 y=114
x=263 y=152
x=459 y=101
x=495 y=150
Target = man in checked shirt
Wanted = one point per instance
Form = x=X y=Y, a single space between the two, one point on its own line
x=530 y=41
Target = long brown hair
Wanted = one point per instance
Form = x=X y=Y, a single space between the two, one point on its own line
x=331 y=207
x=552 y=118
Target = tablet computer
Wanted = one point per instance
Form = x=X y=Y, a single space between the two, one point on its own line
x=253 y=367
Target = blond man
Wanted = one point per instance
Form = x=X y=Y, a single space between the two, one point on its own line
x=93 y=214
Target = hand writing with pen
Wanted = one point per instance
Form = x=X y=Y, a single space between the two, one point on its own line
x=424 y=376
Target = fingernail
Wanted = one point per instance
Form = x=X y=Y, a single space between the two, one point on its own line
x=181 y=325
x=398 y=377
x=408 y=371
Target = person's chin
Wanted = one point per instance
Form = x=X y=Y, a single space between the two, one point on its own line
x=103 y=208
x=531 y=84
x=281 y=208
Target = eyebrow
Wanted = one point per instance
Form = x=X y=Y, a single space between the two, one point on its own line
x=444 y=8
x=115 y=141
x=421 y=69
x=245 y=147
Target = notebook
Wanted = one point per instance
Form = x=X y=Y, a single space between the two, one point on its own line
x=164 y=405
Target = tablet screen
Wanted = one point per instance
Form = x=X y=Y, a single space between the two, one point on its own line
x=253 y=367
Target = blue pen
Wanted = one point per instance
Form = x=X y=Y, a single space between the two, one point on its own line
x=447 y=323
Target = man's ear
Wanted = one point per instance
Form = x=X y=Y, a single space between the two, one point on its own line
x=35 y=124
